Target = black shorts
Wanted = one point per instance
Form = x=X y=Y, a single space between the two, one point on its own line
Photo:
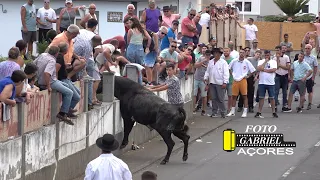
x=309 y=85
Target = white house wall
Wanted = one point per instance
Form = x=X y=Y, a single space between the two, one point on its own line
x=10 y=30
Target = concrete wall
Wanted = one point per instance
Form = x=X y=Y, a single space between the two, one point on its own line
x=60 y=151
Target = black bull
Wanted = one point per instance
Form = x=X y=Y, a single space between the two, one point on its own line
x=141 y=105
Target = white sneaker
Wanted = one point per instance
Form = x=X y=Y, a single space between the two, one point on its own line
x=244 y=114
x=231 y=114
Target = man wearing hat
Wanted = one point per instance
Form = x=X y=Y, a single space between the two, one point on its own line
x=168 y=18
x=216 y=78
x=107 y=166
x=165 y=43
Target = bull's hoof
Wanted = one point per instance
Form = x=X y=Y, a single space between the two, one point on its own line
x=123 y=145
x=163 y=162
x=185 y=157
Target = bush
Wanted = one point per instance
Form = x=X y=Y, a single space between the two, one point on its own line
x=281 y=18
x=42 y=46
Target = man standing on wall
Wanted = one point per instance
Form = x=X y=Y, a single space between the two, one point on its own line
x=151 y=17
x=251 y=32
x=130 y=14
x=188 y=27
x=29 y=25
x=90 y=15
x=45 y=17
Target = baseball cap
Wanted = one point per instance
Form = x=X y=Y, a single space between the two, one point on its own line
x=175 y=22
x=201 y=45
x=68 y=1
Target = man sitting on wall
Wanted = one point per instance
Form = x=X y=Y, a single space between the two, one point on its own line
x=47 y=79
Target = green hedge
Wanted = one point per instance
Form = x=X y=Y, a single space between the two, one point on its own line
x=279 y=18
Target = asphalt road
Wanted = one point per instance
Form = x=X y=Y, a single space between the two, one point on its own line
x=208 y=161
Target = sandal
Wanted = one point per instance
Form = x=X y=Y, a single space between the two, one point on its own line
x=96 y=103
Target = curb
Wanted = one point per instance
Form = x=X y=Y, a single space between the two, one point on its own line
x=180 y=146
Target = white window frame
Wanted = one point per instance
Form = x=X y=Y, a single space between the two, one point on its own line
x=255 y=7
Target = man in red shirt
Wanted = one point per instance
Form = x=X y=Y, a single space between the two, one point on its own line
x=122 y=43
x=184 y=62
x=188 y=27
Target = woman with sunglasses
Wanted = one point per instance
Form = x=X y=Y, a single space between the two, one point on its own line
x=135 y=51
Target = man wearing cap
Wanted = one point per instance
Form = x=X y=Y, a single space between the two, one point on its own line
x=45 y=17
x=90 y=15
x=216 y=78
x=29 y=25
x=165 y=43
x=152 y=17
x=168 y=17
x=107 y=166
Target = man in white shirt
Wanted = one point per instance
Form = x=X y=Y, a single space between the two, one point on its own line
x=205 y=17
x=107 y=166
x=45 y=17
x=217 y=78
x=267 y=68
x=240 y=69
x=251 y=32
x=233 y=53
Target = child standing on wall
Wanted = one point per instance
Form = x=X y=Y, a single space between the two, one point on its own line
x=172 y=84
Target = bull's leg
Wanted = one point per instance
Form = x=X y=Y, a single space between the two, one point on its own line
x=166 y=136
x=185 y=138
x=128 y=124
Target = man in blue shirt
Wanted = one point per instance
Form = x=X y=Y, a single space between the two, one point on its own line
x=300 y=71
x=165 y=43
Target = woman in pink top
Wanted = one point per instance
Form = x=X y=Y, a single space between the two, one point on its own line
x=167 y=17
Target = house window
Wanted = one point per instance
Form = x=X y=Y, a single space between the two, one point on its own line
x=305 y=9
x=247 y=6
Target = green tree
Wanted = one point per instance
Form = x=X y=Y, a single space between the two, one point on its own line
x=291 y=7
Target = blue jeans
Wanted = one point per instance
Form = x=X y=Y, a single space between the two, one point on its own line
x=186 y=40
x=263 y=88
x=135 y=53
x=281 y=82
x=76 y=93
x=90 y=69
x=68 y=102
